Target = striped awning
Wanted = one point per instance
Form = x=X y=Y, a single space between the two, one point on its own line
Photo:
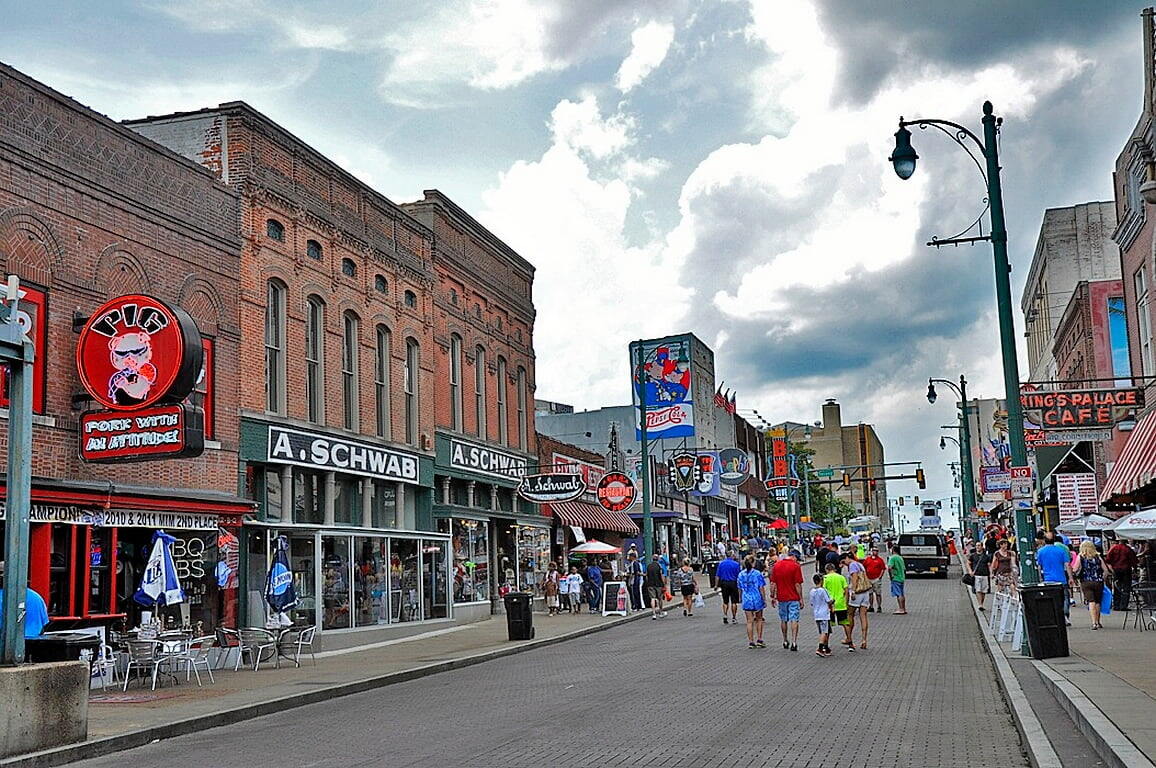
x=583 y=514
x=1136 y=466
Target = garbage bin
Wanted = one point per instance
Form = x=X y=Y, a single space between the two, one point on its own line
x=62 y=646
x=519 y=615
x=1044 y=619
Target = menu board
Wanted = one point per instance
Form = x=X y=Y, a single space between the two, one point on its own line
x=1077 y=496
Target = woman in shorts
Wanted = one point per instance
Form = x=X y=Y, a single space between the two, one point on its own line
x=753 y=585
x=688 y=587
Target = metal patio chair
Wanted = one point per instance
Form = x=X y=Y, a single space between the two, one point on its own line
x=227 y=640
x=256 y=642
x=144 y=655
x=196 y=657
x=294 y=641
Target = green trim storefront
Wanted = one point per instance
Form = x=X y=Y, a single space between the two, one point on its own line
x=367 y=556
x=498 y=542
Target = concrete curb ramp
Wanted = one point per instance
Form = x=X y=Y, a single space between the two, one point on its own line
x=97 y=747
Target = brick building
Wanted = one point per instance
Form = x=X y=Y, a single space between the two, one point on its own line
x=340 y=363
x=483 y=398
x=90 y=211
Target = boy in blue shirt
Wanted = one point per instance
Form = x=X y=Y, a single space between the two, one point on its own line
x=1055 y=565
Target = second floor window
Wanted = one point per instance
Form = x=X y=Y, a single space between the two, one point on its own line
x=275 y=347
x=275 y=230
x=315 y=360
x=348 y=268
x=313 y=250
x=480 y=390
x=410 y=299
x=349 y=382
x=1143 y=320
x=523 y=436
x=412 y=364
x=381 y=382
x=503 y=414
x=456 y=382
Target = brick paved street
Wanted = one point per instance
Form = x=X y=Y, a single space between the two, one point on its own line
x=923 y=694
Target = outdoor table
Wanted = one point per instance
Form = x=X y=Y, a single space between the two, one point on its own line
x=1143 y=606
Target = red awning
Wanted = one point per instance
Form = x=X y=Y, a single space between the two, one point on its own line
x=583 y=514
x=1136 y=466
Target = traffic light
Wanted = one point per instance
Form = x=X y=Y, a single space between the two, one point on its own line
x=920 y=479
x=917 y=501
x=901 y=501
x=846 y=479
x=872 y=484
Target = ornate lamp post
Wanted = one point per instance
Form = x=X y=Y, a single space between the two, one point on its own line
x=903 y=159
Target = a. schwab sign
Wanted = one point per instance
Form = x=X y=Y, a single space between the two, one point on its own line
x=482 y=460
x=309 y=449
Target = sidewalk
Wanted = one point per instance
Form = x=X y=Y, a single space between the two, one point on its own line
x=118 y=721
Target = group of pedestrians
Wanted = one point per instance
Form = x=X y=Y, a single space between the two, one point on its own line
x=845 y=588
x=567 y=592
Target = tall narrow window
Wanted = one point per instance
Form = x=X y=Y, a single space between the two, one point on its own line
x=456 y=382
x=412 y=364
x=1143 y=321
x=480 y=390
x=275 y=347
x=523 y=438
x=503 y=417
x=349 y=381
x=381 y=382
x=315 y=359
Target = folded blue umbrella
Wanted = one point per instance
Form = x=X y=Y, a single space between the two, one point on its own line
x=160 y=585
x=279 y=590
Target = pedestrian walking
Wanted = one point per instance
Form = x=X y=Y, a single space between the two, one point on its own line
x=1055 y=565
x=551 y=589
x=875 y=566
x=634 y=577
x=836 y=585
x=727 y=576
x=787 y=579
x=563 y=592
x=897 y=572
x=1002 y=564
x=1122 y=559
x=655 y=587
x=858 y=597
x=821 y=608
x=575 y=580
x=684 y=582
x=753 y=584
x=1091 y=572
x=979 y=565
x=594 y=586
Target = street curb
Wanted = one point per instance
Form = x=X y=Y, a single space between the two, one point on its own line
x=120 y=742
x=1035 y=741
x=1109 y=741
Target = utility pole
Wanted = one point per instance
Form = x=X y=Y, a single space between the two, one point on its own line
x=647 y=513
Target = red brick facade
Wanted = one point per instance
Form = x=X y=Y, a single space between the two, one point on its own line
x=90 y=210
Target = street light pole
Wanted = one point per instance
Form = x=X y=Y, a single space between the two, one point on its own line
x=644 y=470
x=964 y=441
x=903 y=160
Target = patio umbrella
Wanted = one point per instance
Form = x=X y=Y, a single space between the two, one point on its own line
x=1086 y=524
x=596 y=547
x=1138 y=525
x=809 y=526
x=779 y=524
x=279 y=590
x=160 y=584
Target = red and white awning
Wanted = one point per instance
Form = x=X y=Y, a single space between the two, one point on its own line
x=1136 y=466
x=582 y=514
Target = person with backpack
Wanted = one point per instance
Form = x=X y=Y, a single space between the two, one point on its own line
x=1091 y=573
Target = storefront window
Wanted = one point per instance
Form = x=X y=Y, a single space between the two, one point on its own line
x=507 y=556
x=273 y=496
x=347 y=501
x=470 y=545
x=371 y=576
x=59 y=603
x=100 y=570
x=302 y=559
x=433 y=572
x=482 y=496
x=403 y=581
x=384 y=505
x=195 y=557
x=533 y=556
x=335 y=577
x=308 y=499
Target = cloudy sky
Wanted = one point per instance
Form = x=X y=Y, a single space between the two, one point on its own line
x=717 y=166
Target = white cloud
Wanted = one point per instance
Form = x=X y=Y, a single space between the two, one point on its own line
x=649 y=46
x=580 y=126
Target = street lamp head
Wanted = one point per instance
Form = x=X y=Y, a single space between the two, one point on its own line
x=904 y=157
x=942 y=443
x=931 y=392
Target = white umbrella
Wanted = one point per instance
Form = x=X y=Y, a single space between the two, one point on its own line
x=1138 y=525
x=596 y=547
x=1086 y=524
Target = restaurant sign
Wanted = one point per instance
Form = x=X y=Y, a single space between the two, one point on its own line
x=1081 y=408
x=616 y=492
x=551 y=487
x=161 y=432
x=76 y=514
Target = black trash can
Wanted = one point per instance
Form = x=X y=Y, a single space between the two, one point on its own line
x=519 y=615
x=1044 y=619
x=61 y=646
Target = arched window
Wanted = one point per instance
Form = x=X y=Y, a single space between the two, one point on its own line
x=453 y=296
x=523 y=437
x=348 y=268
x=480 y=390
x=315 y=359
x=456 y=382
x=410 y=299
x=313 y=250
x=349 y=383
x=412 y=366
x=275 y=347
x=478 y=311
x=380 y=284
x=381 y=382
x=275 y=230
x=503 y=414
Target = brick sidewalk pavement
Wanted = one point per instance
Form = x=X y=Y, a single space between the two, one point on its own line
x=678 y=692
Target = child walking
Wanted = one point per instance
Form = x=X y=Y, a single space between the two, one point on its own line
x=563 y=593
x=575 y=580
x=821 y=606
x=551 y=589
